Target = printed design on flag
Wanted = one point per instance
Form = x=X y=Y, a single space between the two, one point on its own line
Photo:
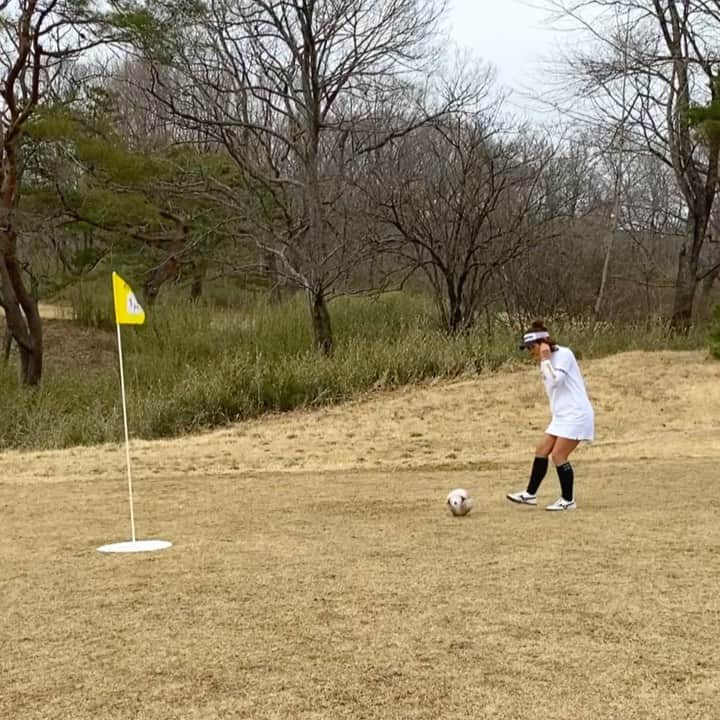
x=128 y=310
x=133 y=306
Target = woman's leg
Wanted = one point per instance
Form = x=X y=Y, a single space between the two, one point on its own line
x=540 y=464
x=561 y=451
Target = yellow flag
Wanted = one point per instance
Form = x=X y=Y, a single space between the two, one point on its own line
x=128 y=310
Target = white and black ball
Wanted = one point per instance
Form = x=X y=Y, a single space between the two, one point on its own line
x=459 y=502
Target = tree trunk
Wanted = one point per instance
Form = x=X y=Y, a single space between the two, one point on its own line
x=455 y=316
x=22 y=316
x=687 y=278
x=7 y=344
x=196 y=288
x=685 y=287
x=322 y=329
x=704 y=304
x=168 y=269
x=270 y=265
x=598 y=309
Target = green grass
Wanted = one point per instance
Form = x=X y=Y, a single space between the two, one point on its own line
x=195 y=366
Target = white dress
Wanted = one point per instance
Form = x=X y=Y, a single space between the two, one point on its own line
x=573 y=416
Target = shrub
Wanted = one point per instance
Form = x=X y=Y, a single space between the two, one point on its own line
x=199 y=365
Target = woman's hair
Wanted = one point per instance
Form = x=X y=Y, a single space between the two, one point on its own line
x=539 y=326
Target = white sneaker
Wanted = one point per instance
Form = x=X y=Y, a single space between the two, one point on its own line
x=562 y=504
x=523 y=497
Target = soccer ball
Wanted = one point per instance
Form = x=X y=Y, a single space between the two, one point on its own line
x=459 y=502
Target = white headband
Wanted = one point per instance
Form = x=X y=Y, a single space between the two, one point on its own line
x=532 y=337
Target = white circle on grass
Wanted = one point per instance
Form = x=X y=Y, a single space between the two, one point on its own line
x=136 y=546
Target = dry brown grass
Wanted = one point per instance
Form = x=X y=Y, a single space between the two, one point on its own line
x=315 y=573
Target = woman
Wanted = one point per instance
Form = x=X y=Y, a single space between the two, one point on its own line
x=573 y=418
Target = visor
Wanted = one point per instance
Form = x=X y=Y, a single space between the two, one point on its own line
x=530 y=338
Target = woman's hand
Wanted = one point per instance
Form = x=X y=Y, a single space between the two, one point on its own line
x=544 y=351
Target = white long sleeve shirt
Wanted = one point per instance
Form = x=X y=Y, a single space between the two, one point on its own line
x=565 y=386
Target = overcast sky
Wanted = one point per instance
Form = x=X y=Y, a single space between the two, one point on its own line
x=510 y=34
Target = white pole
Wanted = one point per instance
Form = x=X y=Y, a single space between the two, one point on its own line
x=127 y=439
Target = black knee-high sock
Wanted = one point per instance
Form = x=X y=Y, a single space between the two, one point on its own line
x=567 y=478
x=539 y=468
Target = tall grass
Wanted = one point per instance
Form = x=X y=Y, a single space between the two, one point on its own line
x=194 y=366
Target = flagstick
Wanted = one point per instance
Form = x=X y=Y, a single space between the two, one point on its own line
x=128 y=311
x=127 y=439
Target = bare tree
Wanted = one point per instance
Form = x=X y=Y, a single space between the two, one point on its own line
x=460 y=201
x=649 y=68
x=618 y=141
x=295 y=92
x=576 y=188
